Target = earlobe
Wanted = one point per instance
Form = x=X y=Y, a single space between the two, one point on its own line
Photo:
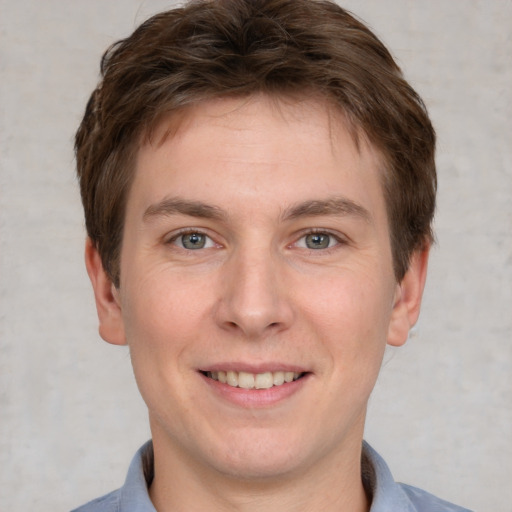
x=409 y=291
x=111 y=326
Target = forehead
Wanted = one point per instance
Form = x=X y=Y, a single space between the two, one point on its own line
x=244 y=112
x=255 y=141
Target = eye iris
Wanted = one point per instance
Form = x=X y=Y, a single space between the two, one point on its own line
x=193 y=241
x=317 y=241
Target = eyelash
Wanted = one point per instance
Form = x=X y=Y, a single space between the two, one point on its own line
x=187 y=231
x=318 y=231
x=337 y=238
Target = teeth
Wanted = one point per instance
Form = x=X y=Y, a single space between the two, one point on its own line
x=232 y=379
x=264 y=380
x=247 y=380
x=278 y=378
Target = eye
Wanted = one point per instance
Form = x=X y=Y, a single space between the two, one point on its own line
x=193 y=240
x=318 y=241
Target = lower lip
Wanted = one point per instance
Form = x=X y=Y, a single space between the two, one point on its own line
x=256 y=397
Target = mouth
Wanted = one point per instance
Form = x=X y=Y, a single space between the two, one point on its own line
x=246 y=380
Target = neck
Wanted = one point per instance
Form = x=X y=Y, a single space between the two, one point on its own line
x=182 y=485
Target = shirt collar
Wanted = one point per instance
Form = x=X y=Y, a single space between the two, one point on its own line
x=134 y=496
x=386 y=493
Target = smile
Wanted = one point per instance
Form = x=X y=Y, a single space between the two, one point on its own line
x=247 y=380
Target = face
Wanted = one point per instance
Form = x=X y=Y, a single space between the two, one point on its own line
x=257 y=291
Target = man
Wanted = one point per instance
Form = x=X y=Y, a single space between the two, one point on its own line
x=259 y=183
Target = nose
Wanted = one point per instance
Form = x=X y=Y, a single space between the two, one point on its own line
x=254 y=300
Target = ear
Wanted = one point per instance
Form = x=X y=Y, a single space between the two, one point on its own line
x=108 y=306
x=406 y=307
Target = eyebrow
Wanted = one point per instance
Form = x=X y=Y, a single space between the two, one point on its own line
x=176 y=206
x=311 y=208
x=331 y=206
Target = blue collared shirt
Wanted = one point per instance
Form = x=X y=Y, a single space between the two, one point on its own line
x=387 y=495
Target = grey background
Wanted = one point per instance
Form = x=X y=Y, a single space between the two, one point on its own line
x=70 y=414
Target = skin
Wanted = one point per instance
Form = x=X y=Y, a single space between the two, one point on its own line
x=255 y=178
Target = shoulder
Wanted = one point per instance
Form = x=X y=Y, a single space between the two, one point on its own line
x=133 y=495
x=426 y=502
x=107 y=503
x=389 y=495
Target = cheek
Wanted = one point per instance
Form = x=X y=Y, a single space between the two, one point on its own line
x=162 y=322
x=352 y=319
x=162 y=309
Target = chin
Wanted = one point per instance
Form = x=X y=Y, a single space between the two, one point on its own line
x=262 y=458
x=260 y=467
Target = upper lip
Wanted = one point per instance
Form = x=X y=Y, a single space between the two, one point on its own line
x=253 y=368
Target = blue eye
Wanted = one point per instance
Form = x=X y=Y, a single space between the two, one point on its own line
x=317 y=241
x=193 y=241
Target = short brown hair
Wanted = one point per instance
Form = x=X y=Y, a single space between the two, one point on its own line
x=214 y=48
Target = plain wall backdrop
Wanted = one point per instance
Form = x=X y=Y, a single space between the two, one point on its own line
x=70 y=414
